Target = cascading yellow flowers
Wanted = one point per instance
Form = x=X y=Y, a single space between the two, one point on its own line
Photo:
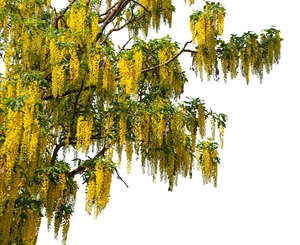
x=94 y=27
x=8 y=57
x=98 y=189
x=209 y=165
x=48 y=4
x=162 y=56
x=122 y=131
x=220 y=16
x=77 y=19
x=84 y=132
x=130 y=71
x=12 y=141
x=44 y=187
x=199 y=32
x=74 y=64
x=58 y=73
x=58 y=79
x=138 y=65
x=94 y=67
x=201 y=120
x=31 y=225
x=107 y=74
x=2 y=3
x=129 y=151
x=126 y=73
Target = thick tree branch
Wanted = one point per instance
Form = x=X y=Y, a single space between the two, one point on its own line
x=112 y=15
x=81 y=168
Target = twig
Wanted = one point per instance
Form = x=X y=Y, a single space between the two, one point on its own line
x=63 y=12
x=119 y=177
x=147 y=10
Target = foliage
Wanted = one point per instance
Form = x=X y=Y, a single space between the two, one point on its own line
x=68 y=87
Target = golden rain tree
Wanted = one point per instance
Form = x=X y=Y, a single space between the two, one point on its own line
x=66 y=86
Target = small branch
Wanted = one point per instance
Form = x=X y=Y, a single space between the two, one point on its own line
x=118 y=9
x=117 y=78
x=147 y=10
x=190 y=51
x=56 y=150
x=124 y=46
x=63 y=12
x=119 y=177
x=81 y=168
x=168 y=61
x=108 y=10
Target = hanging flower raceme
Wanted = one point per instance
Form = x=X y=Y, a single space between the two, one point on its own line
x=77 y=18
x=126 y=72
x=208 y=160
x=94 y=67
x=74 y=64
x=84 y=132
x=98 y=188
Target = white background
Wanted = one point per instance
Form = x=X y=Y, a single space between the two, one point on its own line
x=256 y=201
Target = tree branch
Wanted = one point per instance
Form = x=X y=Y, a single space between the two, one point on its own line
x=119 y=177
x=168 y=61
x=147 y=10
x=63 y=12
x=81 y=168
x=117 y=78
x=119 y=7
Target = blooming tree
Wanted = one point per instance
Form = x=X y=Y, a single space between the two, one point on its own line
x=67 y=86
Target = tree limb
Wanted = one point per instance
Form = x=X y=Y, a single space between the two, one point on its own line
x=63 y=12
x=119 y=177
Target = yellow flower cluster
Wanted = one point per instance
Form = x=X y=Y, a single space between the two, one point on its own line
x=125 y=69
x=84 y=132
x=44 y=187
x=2 y=3
x=58 y=73
x=74 y=64
x=62 y=182
x=98 y=189
x=25 y=48
x=58 y=79
x=201 y=120
x=209 y=24
x=94 y=27
x=220 y=18
x=129 y=151
x=163 y=70
x=94 y=67
x=12 y=141
x=107 y=75
x=8 y=57
x=77 y=19
x=130 y=71
x=146 y=128
x=122 y=131
x=137 y=133
x=31 y=226
x=209 y=165
x=138 y=65
x=48 y=3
